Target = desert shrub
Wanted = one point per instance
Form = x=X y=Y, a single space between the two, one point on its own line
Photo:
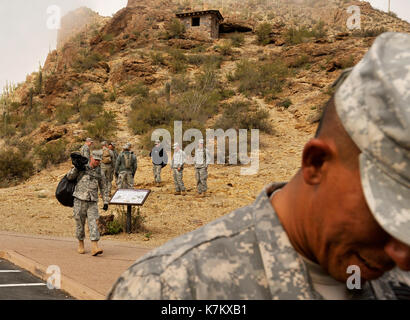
x=103 y=126
x=89 y=112
x=31 y=120
x=96 y=99
x=237 y=39
x=319 y=30
x=243 y=115
x=298 y=35
x=14 y=167
x=285 y=103
x=53 y=152
x=114 y=227
x=7 y=125
x=137 y=219
x=108 y=37
x=157 y=58
x=175 y=29
x=299 y=62
x=180 y=83
x=152 y=114
x=86 y=61
x=263 y=32
x=178 y=61
x=260 y=78
x=210 y=61
x=136 y=89
x=226 y=48
x=64 y=112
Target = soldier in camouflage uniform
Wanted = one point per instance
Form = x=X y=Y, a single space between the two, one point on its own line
x=177 y=168
x=125 y=168
x=107 y=166
x=159 y=160
x=202 y=161
x=112 y=146
x=86 y=201
x=348 y=206
x=85 y=149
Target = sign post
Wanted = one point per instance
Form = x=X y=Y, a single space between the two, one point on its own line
x=130 y=198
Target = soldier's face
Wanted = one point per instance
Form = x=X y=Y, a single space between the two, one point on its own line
x=94 y=163
x=346 y=233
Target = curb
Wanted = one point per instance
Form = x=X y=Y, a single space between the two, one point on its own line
x=75 y=289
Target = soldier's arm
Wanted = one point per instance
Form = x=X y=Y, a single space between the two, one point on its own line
x=103 y=190
x=73 y=174
x=208 y=157
x=135 y=165
x=117 y=165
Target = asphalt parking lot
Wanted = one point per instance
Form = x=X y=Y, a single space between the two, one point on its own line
x=18 y=284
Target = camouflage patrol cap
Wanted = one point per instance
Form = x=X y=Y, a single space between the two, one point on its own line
x=373 y=104
x=127 y=146
x=97 y=155
x=89 y=140
x=104 y=143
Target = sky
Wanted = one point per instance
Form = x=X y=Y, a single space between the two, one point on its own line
x=26 y=37
x=25 y=34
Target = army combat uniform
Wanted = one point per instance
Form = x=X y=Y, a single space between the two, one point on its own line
x=108 y=167
x=86 y=200
x=178 y=162
x=202 y=161
x=85 y=151
x=254 y=260
x=125 y=168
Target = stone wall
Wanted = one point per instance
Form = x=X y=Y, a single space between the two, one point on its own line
x=209 y=26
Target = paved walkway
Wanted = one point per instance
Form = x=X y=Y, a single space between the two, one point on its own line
x=83 y=276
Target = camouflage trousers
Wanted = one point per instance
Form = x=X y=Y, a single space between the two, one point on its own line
x=108 y=175
x=125 y=180
x=201 y=175
x=86 y=210
x=157 y=173
x=178 y=180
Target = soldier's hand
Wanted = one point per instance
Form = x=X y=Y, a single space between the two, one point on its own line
x=105 y=208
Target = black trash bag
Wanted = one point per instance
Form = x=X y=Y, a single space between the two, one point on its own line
x=65 y=188
x=79 y=161
x=64 y=192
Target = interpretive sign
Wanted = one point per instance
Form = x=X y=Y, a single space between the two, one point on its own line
x=130 y=197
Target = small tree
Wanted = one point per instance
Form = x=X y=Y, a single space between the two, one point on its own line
x=263 y=32
x=175 y=29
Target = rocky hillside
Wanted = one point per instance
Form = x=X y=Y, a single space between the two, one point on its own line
x=119 y=78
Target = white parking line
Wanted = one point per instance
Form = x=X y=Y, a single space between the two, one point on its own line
x=9 y=271
x=22 y=285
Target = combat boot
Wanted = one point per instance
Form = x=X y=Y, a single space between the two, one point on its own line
x=95 y=251
x=183 y=193
x=203 y=195
x=178 y=193
x=81 y=249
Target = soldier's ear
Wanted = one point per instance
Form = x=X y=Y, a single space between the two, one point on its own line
x=316 y=156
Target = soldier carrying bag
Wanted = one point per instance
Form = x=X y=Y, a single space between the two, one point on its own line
x=106 y=157
x=65 y=189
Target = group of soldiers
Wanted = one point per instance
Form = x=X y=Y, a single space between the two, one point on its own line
x=202 y=160
x=103 y=165
x=124 y=165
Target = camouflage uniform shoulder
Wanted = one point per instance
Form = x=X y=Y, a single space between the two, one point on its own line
x=226 y=227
